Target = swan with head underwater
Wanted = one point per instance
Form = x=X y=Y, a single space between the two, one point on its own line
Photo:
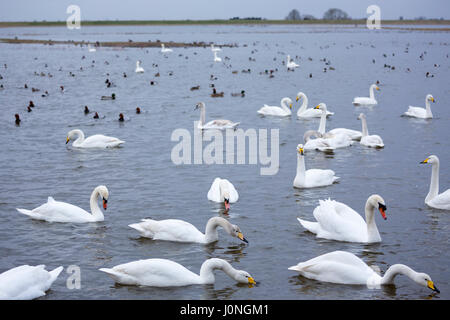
x=352 y=134
x=367 y=101
x=182 y=231
x=337 y=221
x=373 y=141
x=284 y=111
x=139 y=69
x=421 y=113
x=343 y=267
x=57 y=211
x=313 y=177
x=433 y=198
x=304 y=111
x=27 y=282
x=95 y=141
x=220 y=124
x=223 y=191
x=167 y=273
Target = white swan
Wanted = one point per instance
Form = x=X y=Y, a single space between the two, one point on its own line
x=367 y=101
x=223 y=191
x=343 y=267
x=213 y=124
x=90 y=49
x=284 y=111
x=164 y=49
x=373 y=141
x=313 y=177
x=352 y=134
x=216 y=58
x=167 y=273
x=305 y=112
x=95 y=141
x=337 y=221
x=434 y=199
x=290 y=63
x=26 y=282
x=422 y=113
x=213 y=49
x=56 y=211
x=182 y=231
x=139 y=69
x=318 y=143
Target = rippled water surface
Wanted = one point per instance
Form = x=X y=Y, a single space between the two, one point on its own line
x=144 y=182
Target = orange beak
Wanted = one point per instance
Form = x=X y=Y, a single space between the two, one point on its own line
x=383 y=213
x=227 y=205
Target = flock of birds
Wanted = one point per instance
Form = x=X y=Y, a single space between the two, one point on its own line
x=333 y=220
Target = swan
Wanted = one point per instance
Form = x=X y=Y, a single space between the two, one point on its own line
x=304 y=112
x=374 y=140
x=167 y=273
x=290 y=63
x=313 y=177
x=352 y=134
x=213 y=124
x=284 y=111
x=364 y=101
x=182 y=231
x=422 y=113
x=213 y=49
x=343 y=267
x=318 y=143
x=26 y=282
x=216 y=58
x=95 y=141
x=434 y=199
x=56 y=211
x=139 y=69
x=223 y=190
x=164 y=49
x=90 y=49
x=337 y=221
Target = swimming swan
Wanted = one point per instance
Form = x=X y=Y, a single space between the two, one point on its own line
x=216 y=58
x=95 y=141
x=364 y=101
x=182 y=231
x=167 y=273
x=56 y=211
x=434 y=199
x=213 y=124
x=291 y=64
x=305 y=112
x=26 y=282
x=284 y=111
x=337 y=221
x=352 y=134
x=223 y=191
x=139 y=69
x=318 y=143
x=422 y=113
x=374 y=140
x=343 y=267
x=164 y=49
x=313 y=177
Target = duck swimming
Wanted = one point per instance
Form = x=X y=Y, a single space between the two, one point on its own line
x=112 y=97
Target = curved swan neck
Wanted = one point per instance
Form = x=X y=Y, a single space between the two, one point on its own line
x=372 y=231
x=395 y=270
x=434 y=184
x=428 y=107
x=323 y=122
x=95 y=209
x=304 y=105
x=211 y=233
x=207 y=268
x=365 y=131
x=80 y=137
x=284 y=105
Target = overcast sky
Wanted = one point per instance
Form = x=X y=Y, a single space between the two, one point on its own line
x=53 y=10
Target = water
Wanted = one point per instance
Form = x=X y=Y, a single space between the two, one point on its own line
x=143 y=181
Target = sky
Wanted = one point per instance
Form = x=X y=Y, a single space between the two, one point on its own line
x=55 y=10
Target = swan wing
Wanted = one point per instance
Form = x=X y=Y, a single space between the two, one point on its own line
x=416 y=112
x=312 y=113
x=273 y=111
x=364 y=101
x=169 y=230
x=234 y=195
x=338 y=140
x=220 y=124
x=372 y=141
x=353 y=134
x=100 y=141
x=441 y=201
x=319 y=177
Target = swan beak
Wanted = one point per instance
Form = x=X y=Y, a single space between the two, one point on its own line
x=431 y=285
x=296 y=99
x=290 y=105
x=241 y=237
x=425 y=161
x=251 y=280
x=432 y=99
x=105 y=203
x=227 y=204
x=378 y=88
x=317 y=107
x=382 y=209
x=300 y=150
x=67 y=140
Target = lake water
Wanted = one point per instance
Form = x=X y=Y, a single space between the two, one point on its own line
x=144 y=182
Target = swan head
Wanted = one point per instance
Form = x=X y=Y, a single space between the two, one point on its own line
x=236 y=232
x=431 y=159
x=321 y=106
x=425 y=280
x=300 y=149
x=378 y=202
x=430 y=98
x=361 y=116
x=104 y=193
x=374 y=86
x=199 y=105
x=138 y=63
x=299 y=96
x=71 y=134
x=287 y=100
x=242 y=276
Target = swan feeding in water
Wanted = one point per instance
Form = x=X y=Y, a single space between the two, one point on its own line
x=95 y=141
x=367 y=101
x=213 y=124
x=433 y=198
x=421 y=113
x=223 y=191
x=284 y=111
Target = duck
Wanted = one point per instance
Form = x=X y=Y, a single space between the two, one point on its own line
x=139 y=69
x=27 y=282
x=364 y=101
x=373 y=141
x=421 y=113
x=337 y=221
x=237 y=94
x=112 y=97
x=121 y=117
x=17 y=121
x=284 y=111
x=213 y=124
x=86 y=110
x=29 y=109
x=343 y=267
x=95 y=141
x=433 y=198
x=223 y=191
x=167 y=273
x=216 y=94
x=182 y=231
x=57 y=211
x=96 y=115
x=352 y=134
x=311 y=178
x=304 y=112
x=195 y=88
x=138 y=110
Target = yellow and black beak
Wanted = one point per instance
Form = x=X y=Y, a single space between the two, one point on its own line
x=431 y=285
x=241 y=237
x=297 y=98
x=317 y=107
x=425 y=161
x=378 y=88
x=300 y=150
x=290 y=105
x=67 y=140
x=432 y=99
x=251 y=280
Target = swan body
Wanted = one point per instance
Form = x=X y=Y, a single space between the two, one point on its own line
x=305 y=112
x=164 y=49
x=352 y=134
x=182 y=231
x=337 y=221
x=139 y=69
x=313 y=177
x=318 y=143
x=220 y=124
x=343 y=267
x=56 y=211
x=373 y=141
x=26 y=282
x=422 y=113
x=284 y=111
x=223 y=191
x=90 y=49
x=95 y=141
x=291 y=64
x=433 y=198
x=167 y=273
x=367 y=101
x=216 y=58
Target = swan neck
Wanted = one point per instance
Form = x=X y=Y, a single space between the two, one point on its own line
x=304 y=105
x=434 y=185
x=211 y=233
x=395 y=270
x=80 y=137
x=428 y=108
x=300 y=176
x=95 y=209
x=323 y=122
x=371 y=94
x=372 y=231
x=284 y=106
x=365 y=131
x=208 y=267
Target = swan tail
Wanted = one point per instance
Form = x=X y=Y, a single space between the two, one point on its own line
x=144 y=232
x=294 y=268
x=55 y=273
x=29 y=213
x=310 y=226
x=335 y=179
x=119 y=277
